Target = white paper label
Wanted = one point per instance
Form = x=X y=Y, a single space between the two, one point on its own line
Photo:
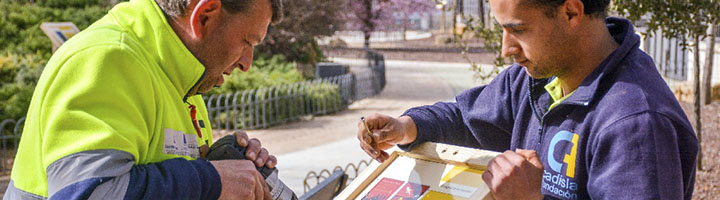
x=179 y=143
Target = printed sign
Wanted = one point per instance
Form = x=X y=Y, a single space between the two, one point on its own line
x=431 y=171
x=59 y=32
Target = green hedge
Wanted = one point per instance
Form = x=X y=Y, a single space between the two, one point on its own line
x=26 y=49
x=20 y=25
x=265 y=72
x=18 y=76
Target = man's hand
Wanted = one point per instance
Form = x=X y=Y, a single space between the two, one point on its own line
x=386 y=132
x=515 y=175
x=240 y=180
x=254 y=150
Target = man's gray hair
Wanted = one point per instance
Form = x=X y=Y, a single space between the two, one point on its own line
x=177 y=8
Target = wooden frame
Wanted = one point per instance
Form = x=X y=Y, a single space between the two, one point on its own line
x=446 y=155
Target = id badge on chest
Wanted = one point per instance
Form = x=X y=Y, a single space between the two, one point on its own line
x=179 y=143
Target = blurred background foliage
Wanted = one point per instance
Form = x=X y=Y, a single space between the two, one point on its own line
x=265 y=72
x=26 y=49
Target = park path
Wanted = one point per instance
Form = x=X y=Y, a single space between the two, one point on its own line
x=327 y=141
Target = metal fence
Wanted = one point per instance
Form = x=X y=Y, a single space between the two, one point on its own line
x=265 y=107
x=10 y=131
x=312 y=179
x=669 y=55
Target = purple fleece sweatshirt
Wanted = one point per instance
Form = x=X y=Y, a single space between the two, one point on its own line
x=620 y=135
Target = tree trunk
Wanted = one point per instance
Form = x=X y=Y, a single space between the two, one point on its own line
x=366 y=34
x=455 y=13
x=481 y=12
x=696 y=101
x=404 y=28
x=444 y=21
x=369 y=27
x=707 y=75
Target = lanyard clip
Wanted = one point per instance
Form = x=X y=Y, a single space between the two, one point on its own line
x=194 y=120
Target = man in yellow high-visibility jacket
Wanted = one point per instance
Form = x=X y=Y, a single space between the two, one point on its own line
x=116 y=112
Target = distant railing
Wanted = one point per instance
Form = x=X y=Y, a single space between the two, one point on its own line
x=351 y=170
x=265 y=107
x=10 y=131
x=668 y=54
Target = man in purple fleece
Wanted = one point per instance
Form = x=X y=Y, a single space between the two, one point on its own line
x=582 y=113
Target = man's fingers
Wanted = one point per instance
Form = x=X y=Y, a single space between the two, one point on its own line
x=526 y=153
x=500 y=161
x=266 y=190
x=204 y=149
x=242 y=137
x=374 y=143
x=487 y=177
x=383 y=156
x=514 y=158
x=253 y=149
x=367 y=143
x=262 y=157
x=272 y=162
x=369 y=150
x=259 y=190
x=531 y=156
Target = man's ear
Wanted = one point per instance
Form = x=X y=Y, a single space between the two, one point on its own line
x=204 y=12
x=573 y=11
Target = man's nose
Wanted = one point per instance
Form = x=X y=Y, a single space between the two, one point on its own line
x=246 y=61
x=509 y=45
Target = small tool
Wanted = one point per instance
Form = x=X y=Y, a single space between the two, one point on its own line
x=372 y=140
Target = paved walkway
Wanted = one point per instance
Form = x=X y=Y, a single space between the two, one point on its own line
x=328 y=141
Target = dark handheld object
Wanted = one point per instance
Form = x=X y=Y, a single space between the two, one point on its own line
x=227 y=148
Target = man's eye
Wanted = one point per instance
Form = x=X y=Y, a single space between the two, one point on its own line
x=518 y=31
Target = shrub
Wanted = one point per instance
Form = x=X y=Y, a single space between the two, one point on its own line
x=265 y=72
x=18 y=76
x=272 y=92
x=20 y=24
x=264 y=107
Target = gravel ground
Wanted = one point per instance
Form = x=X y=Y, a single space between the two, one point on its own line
x=707 y=181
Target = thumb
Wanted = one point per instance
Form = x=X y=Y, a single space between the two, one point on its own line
x=531 y=156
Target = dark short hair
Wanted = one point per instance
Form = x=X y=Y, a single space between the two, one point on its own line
x=593 y=8
x=177 y=8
